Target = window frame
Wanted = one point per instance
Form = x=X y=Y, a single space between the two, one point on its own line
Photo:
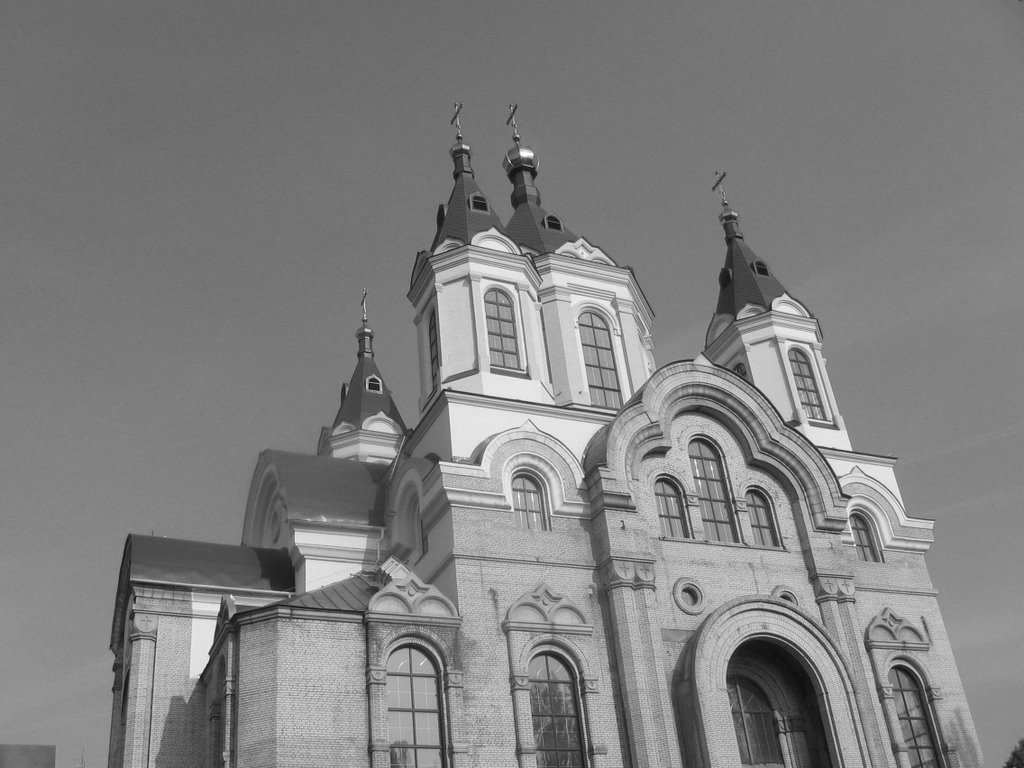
x=440 y=711
x=769 y=527
x=522 y=515
x=472 y=200
x=665 y=516
x=809 y=392
x=576 y=699
x=502 y=332
x=872 y=546
x=610 y=397
x=927 y=716
x=706 y=502
x=764 y=717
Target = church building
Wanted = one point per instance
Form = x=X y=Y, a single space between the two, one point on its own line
x=574 y=558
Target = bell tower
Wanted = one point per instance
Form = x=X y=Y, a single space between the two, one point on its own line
x=762 y=333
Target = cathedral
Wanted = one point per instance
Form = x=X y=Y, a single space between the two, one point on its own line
x=573 y=558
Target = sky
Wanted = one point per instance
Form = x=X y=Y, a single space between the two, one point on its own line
x=193 y=195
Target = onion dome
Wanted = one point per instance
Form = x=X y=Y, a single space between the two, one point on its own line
x=531 y=226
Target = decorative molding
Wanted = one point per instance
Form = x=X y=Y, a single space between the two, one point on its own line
x=890 y=630
x=520 y=682
x=636 y=574
x=376 y=674
x=836 y=587
x=407 y=595
x=144 y=626
x=545 y=610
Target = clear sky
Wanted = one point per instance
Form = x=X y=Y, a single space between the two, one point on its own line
x=192 y=196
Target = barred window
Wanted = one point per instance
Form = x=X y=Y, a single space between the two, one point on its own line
x=528 y=503
x=762 y=521
x=864 y=539
x=915 y=724
x=599 y=360
x=671 y=509
x=806 y=385
x=414 y=710
x=754 y=721
x=712 y=493
x=501 y=329
x=555 y=708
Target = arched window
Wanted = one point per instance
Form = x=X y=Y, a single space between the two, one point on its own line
x=414 y=710
x=552 y=222
x=715 y=507
x=528 y=503
x=806 y=386
x=556 y=719
x=478 y=203
x=501 y=329
x=762 y=522
x=754 y=721
x=915 y=723
x=435 y=350
x=864 y=539
x=374 y=384
x=671 y=509
x=599 y=360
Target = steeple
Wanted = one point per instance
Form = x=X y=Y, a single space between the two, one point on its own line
x=745 y=279
x=368 y=425
x=530 y=226
x=468 y=211
x=760 y=332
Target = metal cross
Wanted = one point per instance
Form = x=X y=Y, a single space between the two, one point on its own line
x=719 y=178
x=363 y=302
x=512 y=120
x=456 y=121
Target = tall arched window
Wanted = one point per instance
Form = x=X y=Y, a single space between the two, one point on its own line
x=671 y=509
x=715 y=507
x=864 y=539
x=754 y=721
x=414 y=710
x=556 y=719
x=762 y=522
x=528 y=503
x=599 y=359
x=915 y=723
x=806 y=385
x=501 y=329
x=435 y=350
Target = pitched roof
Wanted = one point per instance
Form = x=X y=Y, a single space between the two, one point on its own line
x=527 y=228
x=351 y=595
x=460 y=219
x=745 y=278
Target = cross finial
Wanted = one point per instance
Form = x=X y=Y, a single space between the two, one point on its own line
x=363 y=302
x=719 y=178
x=456 y=121
x=512 y=121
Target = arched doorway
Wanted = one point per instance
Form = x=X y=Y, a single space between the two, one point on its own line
x=775 y=709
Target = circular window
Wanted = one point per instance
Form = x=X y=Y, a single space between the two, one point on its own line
x=688 y=596
x=781 y=593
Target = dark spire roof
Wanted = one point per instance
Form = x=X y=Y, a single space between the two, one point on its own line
x=358 y=399
x=468 y=211
x=531 y=226
x=745 y=279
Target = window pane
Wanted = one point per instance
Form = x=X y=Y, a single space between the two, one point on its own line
x=414 y=717
x=807 y=387
x=754 y=723
x=501 y=330
x=599 y=361
x=761 y=522
x=556 y=725
x=528 y=503
x=716 y=511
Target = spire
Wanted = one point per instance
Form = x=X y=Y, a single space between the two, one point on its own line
x=468 y=211
x=745 y=279
x=366 y=393
x=530 y=226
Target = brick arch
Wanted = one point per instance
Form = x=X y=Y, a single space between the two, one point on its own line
x=767 y=442
x=701 y=695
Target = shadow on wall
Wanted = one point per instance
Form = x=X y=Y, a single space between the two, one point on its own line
x=183 y=740
x=956 y=732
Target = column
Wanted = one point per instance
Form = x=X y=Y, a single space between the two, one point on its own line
x=139 y=716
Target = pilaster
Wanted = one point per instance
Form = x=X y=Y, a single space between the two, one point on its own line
x=138 y=722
